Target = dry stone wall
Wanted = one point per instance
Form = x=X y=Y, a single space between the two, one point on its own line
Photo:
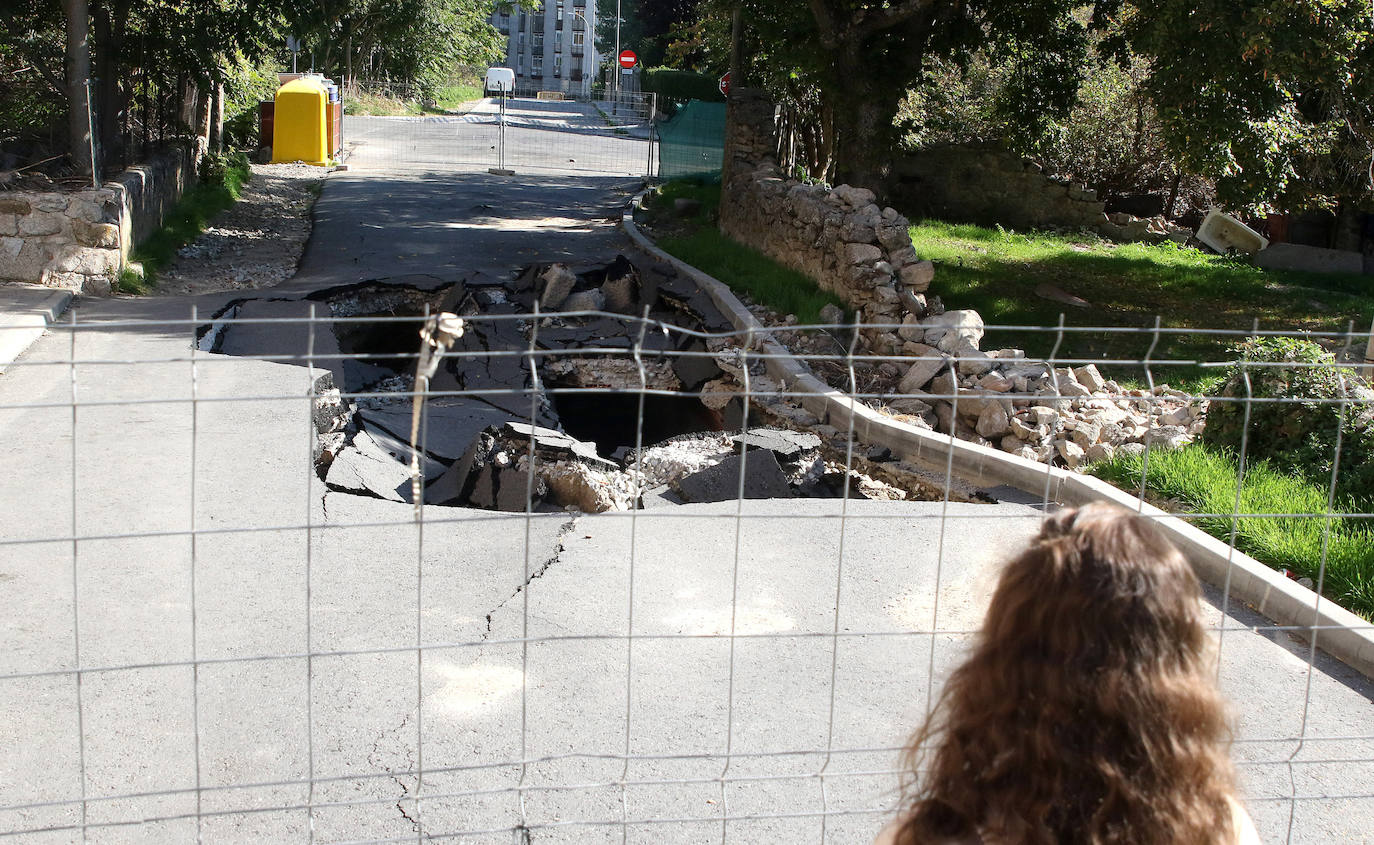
x=986 y=184
x=839 y=237
x=941 y=378
x=81 y=240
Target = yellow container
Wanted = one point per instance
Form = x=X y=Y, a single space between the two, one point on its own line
x=300 y=131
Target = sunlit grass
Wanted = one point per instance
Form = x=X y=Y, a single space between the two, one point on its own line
x=1197 y=480
x=1009 y=277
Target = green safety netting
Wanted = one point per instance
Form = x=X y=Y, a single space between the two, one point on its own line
x=692 y=143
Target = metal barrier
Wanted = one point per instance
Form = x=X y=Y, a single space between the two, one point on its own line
x=204 y=639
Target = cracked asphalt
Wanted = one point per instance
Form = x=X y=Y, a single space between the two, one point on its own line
x=239 y=681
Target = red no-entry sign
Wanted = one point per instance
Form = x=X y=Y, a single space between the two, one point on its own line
x=628 y=59
x=725 y=84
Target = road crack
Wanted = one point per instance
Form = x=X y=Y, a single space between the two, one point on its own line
x=376 y=758
x=538 y=572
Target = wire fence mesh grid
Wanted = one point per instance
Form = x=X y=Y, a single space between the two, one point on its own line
x=567 y=135
x=209 y=637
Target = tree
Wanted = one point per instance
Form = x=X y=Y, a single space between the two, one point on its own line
x=851 y=62
x=78 y=80
x=1251 y=94
x=645 y=26
x=1273 y=98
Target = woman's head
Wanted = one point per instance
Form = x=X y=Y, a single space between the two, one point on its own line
x=1087 y=711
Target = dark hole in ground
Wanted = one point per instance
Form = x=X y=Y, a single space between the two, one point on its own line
x=377 y=339
x=392 y=345
x=612 y=420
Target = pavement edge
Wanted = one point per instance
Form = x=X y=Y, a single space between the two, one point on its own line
x=1335 y=630
x=22 y=322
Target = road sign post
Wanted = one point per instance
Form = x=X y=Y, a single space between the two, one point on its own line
x=627 y=60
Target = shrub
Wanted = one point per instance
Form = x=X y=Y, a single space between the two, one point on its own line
x=229 y=170
x=1299 y=431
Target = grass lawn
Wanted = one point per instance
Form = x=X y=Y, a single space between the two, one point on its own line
x=1006 y=277
x=697 y=241
x=1197 y=480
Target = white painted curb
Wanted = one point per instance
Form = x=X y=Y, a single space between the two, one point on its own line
x=26 y=311
x=1338 y=632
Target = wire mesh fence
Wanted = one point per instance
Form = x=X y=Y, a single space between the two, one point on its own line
x=558 y=134
x=330 y=570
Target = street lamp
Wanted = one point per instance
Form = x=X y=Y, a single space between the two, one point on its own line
x=586 y=80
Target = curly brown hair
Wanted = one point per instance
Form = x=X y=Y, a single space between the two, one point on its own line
x=1088 y=711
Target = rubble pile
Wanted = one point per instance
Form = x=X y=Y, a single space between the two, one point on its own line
x=1062 y=415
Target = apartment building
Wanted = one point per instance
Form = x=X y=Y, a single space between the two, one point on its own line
x=552 y=49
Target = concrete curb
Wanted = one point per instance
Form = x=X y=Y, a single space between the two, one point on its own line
x=26 y=311
x=1338 y=632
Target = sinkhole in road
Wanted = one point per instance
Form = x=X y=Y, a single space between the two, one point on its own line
x=617 y=414
x=612 y=421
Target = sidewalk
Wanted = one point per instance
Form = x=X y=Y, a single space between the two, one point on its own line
x=25 y=313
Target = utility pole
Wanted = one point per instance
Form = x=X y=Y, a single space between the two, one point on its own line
x=615 y=66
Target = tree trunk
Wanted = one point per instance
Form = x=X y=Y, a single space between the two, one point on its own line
x=1173 y=195
x=217 y=117
x=78 y=77
x=863 y=141
x=348 y=57
x=864 y=136
x=202 y=94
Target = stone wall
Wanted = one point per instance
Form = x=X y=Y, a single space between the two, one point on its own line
x=943 y=379
x=988 y=185
x=81 y=240
x=840 y=238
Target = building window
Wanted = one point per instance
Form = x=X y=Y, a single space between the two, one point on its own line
x=538 y=66
x=558 y=41
x=539 y=43
x=560 y=11
x=557 y=66
x=579 y=37
x=520 y=65
x=522 y=20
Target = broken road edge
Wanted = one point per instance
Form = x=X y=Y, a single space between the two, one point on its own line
x=1306 y=614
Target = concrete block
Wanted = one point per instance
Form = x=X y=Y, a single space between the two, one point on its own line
x=763 y=479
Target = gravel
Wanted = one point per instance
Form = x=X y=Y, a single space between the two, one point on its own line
x=257 y=242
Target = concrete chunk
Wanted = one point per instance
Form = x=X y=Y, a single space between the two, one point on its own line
x=763 y=479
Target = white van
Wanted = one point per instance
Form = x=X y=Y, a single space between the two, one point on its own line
x=500 y=82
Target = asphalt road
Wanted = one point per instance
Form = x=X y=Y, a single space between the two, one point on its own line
x=248 y=641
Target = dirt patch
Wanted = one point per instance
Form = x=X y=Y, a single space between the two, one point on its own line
x=257 y=242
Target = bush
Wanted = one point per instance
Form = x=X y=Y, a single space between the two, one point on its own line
x=245 y=87
x=1299 y=431
x=682 y=85
x=229 y=170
